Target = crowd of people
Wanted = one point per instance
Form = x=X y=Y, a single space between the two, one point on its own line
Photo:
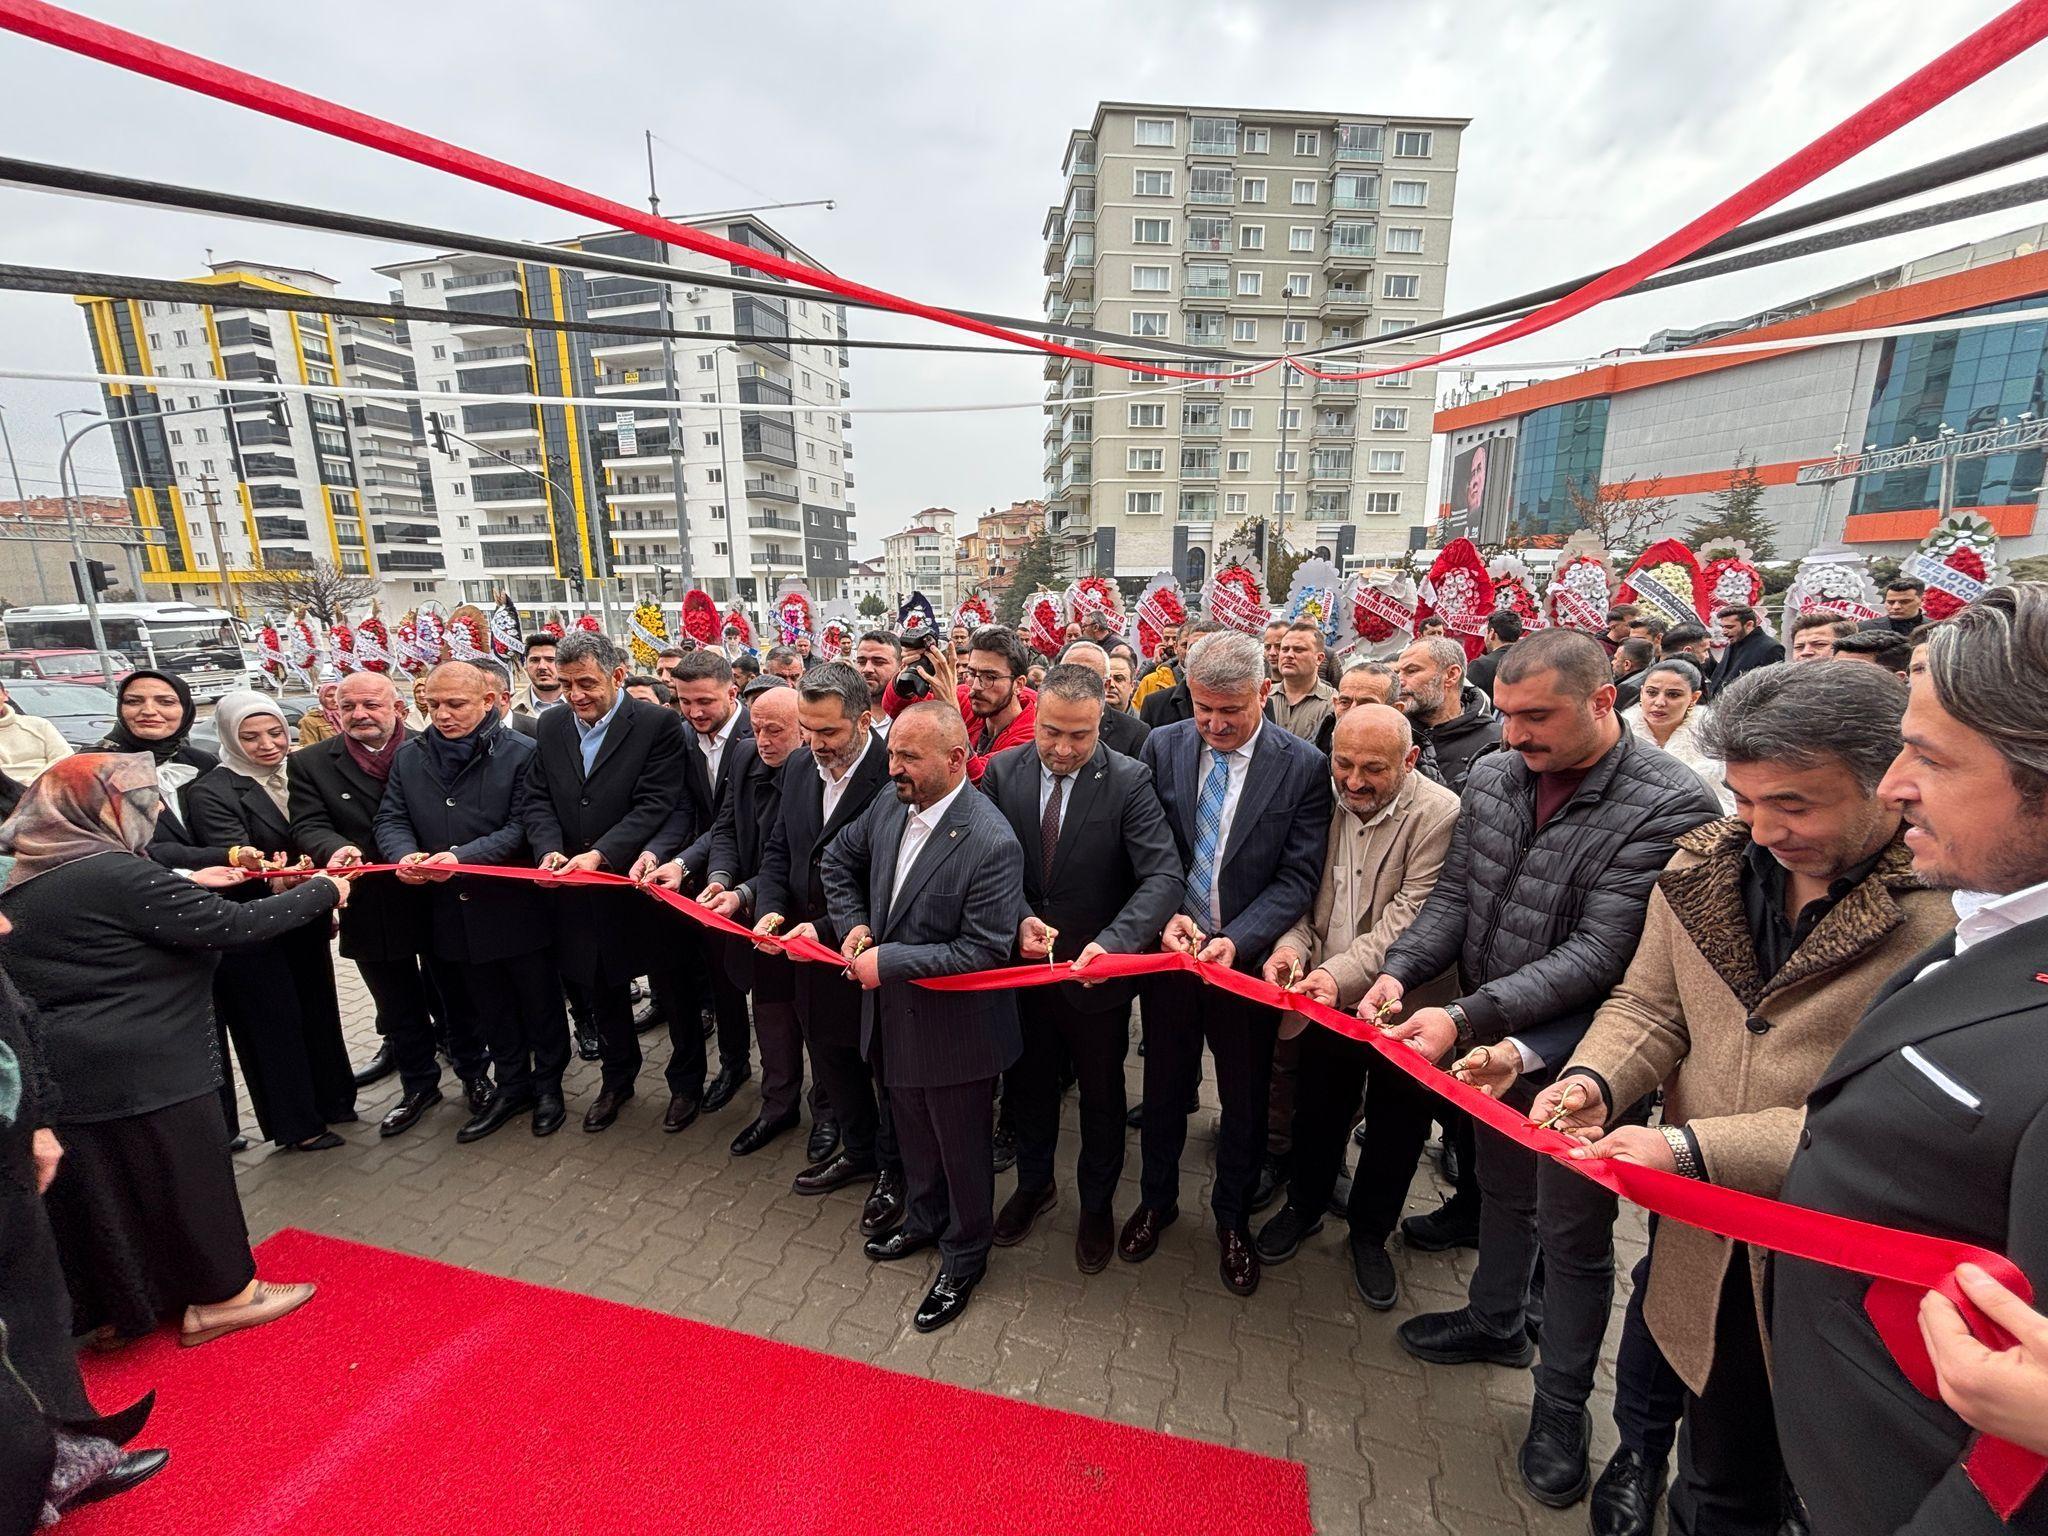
x=1774 y=924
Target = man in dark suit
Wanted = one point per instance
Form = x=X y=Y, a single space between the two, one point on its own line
x=1101 y=873
x=1749 y=647
x=1121 y=731
x=336 y=786
x=607 y=773
x=827 y=786
x=930 y=884
x=453 y=798
x=701 y=683
x=1249 y=805
x=1931 y=1116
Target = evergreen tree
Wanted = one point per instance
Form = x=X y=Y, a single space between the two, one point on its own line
x=872 y=607
x=1036 y=568
x=1737 y=513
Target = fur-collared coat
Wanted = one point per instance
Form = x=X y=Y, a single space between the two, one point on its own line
x=1737 y=1056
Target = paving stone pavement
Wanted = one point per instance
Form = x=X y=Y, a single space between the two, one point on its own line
x=1301 y=1370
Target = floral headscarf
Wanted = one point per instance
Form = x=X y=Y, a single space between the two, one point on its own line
x=85 y=804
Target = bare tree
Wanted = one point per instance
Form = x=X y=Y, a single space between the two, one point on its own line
x=1621 y=515
x=323 y=589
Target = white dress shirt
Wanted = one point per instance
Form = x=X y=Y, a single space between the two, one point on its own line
x=1046 y=780
x=1980 y=915
x=835 y=789
x=713 y=746
x=917 y=831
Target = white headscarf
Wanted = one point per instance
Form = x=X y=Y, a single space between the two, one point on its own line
x=228 y=716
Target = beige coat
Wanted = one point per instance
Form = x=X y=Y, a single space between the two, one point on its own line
x=1737 y=1058
x=1375 y=879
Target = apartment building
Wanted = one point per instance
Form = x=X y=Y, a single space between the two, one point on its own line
x=1244 y=234
x=244 y=485
x=991 y=553
x=548 y=501
x=865 y=579
x=923 y=558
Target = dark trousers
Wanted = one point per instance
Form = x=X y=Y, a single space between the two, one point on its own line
x=1333 y=1072
x=399 y=989
x=949 y=1169
x=828 y=1007
x=618 y=1043
x=458 y=1032
x=782 y=1059
x=1240 y=1036
x=1730 y=1472
x=729 y=1006
x=278 y=1002
x=1530 y=1205
x=1055 y=1033
x=1282 y=1094
x=518 y=1002
x=1459 y=1138
x=1648 y=1396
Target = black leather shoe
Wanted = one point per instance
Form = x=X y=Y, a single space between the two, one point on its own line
x=724 y=1086
x=885 y=1205
x=1019 y=1212
x=133 y=1470
x=405 y=1114
x=1626 y=1497
x=1553 y=1459
x=1239 y=1265
x=646 y=1018
x=586 y=1044
x=1094 y=1242
x=1455 y=1338
x=1272 y=1183
x=1454 y=1224
x=377 y=1068
x=1141 y=1233
x=604 y=1109
x=760 y=1133
x=477 y=1090
x=709 y=1023
x=1340 y=1197
x=823 y=1178
x=1447 y=1160
x=1134 y=1117
x=1004 y=1149
x=824 y=1141
x=495 y=1114
x=946 y=1300
x=1282 y=1237
x=1374 y=1271
x=1358 y=1134
x=900 y=1244
x=548 y=1112
x=681 y=1113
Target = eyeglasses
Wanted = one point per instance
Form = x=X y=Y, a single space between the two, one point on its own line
x=977 y=675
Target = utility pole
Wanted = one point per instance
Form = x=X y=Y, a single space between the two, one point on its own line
x=86 y=588
x=211 y=497
x=21 y=501
x=1286 y=389
x=671 y=388
x=732 y=536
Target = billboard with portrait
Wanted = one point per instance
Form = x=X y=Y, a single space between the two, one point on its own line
x=1480 y=491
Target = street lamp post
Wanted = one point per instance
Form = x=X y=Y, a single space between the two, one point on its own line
x=735 y=507
x=21 y=499
x=86 y=588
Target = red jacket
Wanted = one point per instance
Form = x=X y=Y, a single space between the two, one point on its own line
x=1015 y=734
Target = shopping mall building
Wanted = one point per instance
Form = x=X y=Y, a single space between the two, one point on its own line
x=1683 y=422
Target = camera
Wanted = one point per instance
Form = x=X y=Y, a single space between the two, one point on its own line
x=914 y=682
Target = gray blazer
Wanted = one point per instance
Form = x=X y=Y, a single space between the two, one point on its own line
x=958 y=911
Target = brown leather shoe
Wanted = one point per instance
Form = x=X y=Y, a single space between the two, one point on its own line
x=1141 y=1233
x=1094 y=1243
x=1240 y=1266
x=604 y=1109
x=1013 y=1222
x=265 y=1305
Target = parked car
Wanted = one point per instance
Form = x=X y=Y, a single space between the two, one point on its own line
x=67 y=665
x=82 y=714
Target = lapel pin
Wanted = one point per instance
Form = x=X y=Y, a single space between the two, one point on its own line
x=2042 y=977
x=954 y=833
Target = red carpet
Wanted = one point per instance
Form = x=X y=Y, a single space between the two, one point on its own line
x=413 y=1397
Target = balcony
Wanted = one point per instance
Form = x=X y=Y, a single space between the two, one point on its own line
x=1076 y=469
x=1201 y=466
x=1201 y=426
x=1359 y=144
x=525 y=525
x=760 y=374
x=409 y=560
x=1224 y=194
x=1358 y=252
x=489 y=355
x=1219 y=141
x=1345 y=299
x=1362 y=202
x=493 y=279
x=1331 y=424
x=637 y=376
x=775 y=560
x=1206 y=290
x=1218 y=244
x=1329 y=466
x=768 y=522
x=623 y=298
x=771 y=489
x=1336 y=386
x=532 y=554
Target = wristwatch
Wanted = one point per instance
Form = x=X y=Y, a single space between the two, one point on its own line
x=1464 y=1024
x=1682 y=1153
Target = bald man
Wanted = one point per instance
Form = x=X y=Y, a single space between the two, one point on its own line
x=1387 y=846
x=1122 y=731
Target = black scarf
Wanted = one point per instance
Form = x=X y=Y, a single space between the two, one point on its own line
x=447 y=758
x=122 y=739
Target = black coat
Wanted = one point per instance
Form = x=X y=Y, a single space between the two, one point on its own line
x=1462 y=740
x=733 y=855
x=223 y=807
x=1116 y=874
x=470 y=920
x=1163 y=706
x=118 y=956
x=687 y=834
x=1123 y=731
x=334 y=806
x=1542 y=923
x=1753 y=650
x=618 y=809
x=1933 y=1117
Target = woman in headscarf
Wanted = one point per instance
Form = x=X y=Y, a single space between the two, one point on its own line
x=324 y=719
x=1668 y=714
x=117 y=955
x=277 y=999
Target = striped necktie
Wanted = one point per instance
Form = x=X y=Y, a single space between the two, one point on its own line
x=1208 y=837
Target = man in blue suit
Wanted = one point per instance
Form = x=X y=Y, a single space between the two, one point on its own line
x=931 y=883
x=1249 y=805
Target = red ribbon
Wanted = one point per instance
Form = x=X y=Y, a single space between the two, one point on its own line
x=1901 y=1265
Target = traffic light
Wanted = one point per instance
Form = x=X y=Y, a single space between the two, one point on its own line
x=102 y=579
x=664 y=580
x=437 y=428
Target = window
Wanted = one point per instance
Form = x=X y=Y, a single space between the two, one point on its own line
x=1240 y=418
x=1301 y=237
x=182 y=339
x=1151 y=279
x=1408 y=194
x=1283 y=502
x=1238 y=461
x=1209 y=184
x=177 y=438
x=1252 y=238
x=1412 y=144
x=440 y=353
x=1142 y=459
x=1292 y=331
x=1287 y=462
x=1307 y=143
x=1258 y=141
x=1305 y=193
x=1152 y=183
x=1382 y=503
x=426 y=279
x=1389 y=327
x=156 y=342
x=1249 y=284
x=710 y=439
x=183 y=468
x=1400 y=285
x=1144 y=414
x=1297 y=285
x=185 y=371
x=1151 y=231
x=1144 y=503
x=1403 y=241
x=1387 y=461
x=1153 y=132
x=706 y=361
x=1252 y=189
x=703 y=322
x=446 y=386
x=1244 y=330
x=1148 y=322
x=1236 y=501
x=1290 y=419
x=1392 y=381
x=1243 y=380
x=1390 y=418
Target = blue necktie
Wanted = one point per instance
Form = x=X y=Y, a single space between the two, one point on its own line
x=1208 y=836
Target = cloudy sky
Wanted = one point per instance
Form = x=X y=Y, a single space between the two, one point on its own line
x=1598 y=126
